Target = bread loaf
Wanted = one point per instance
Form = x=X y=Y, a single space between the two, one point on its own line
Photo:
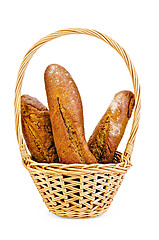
x=66 y=113
x=37 y=131
x=109 y=131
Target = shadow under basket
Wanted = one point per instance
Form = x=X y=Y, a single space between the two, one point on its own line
x=77 y=190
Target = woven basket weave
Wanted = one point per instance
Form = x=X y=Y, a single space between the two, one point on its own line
x=77 y=190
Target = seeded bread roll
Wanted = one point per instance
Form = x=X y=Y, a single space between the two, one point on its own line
x=66 y=113
x=37 y=131
x=109 y=131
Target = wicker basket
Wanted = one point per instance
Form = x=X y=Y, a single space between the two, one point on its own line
x=77 y=190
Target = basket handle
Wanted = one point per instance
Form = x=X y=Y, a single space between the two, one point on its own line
x=126 y=156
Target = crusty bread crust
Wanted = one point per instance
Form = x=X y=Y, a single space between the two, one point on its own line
x=108 y=133
x=66 y=113
x=37 y=131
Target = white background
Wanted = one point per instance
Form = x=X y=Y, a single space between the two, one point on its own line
x=99 y=73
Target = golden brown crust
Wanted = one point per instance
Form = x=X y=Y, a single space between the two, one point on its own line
x=37 y=131
x=108 y=133
x=66 y=113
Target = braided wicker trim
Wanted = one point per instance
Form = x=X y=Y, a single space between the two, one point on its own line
x=50 y=168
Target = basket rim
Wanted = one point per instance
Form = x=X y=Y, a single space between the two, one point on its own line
x=126 y=156
x=74 y=168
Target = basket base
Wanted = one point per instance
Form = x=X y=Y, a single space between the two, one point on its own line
x=93 y=209
x=79 y=215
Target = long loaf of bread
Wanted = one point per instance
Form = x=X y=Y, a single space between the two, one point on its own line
x=37 y=131
x=66 y=113
x=108 y=133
